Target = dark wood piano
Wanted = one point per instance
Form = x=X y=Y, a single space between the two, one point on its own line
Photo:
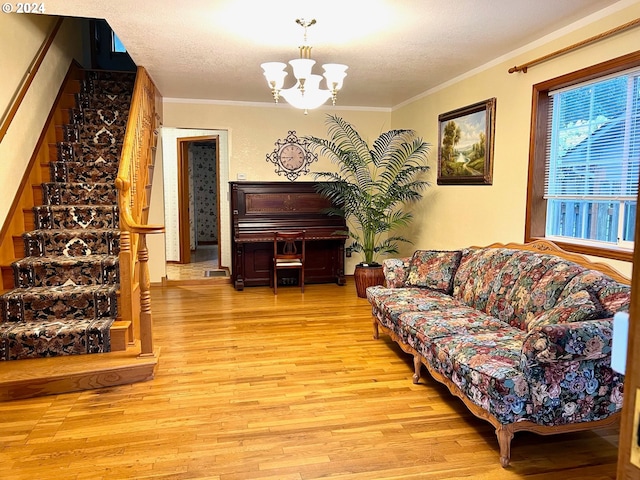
x=260 y=208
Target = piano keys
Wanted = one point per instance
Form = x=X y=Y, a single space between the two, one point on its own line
x=258 y=209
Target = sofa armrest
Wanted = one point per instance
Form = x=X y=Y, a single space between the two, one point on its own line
x=575 y=341
x=395 y=271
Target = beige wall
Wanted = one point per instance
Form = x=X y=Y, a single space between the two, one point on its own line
x=156 y=243
x=458 y=216
x=20 y=38
x=252 y=132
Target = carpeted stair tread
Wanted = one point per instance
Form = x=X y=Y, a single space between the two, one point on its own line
x=100 y=117
x=97 y=125
x=62 y=193
x=71 y=242
x=22 y=340
x=84 y=172
x=60 y=302
x=110 y=87
x=80 y=152
x=120 y=83
x=87 y=100
x=98 y=134
x=61 y=270
x=76 y=216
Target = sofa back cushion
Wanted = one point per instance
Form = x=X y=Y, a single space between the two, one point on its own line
x=512 y=285
x=613 y=296
x=477 y=275
x=395 y=271
x=433 y=269
x=538 y=282
x=577 y=307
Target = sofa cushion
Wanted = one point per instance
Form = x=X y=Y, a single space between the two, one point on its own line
x=486 y=367
x=532 y=284
x=512 y=285
x=577 y=307
x=615 y=297
x=395 y=271
x=477 y=275
x=587 y=280
x=455 y=320
x=433 y=269
x=392 y=302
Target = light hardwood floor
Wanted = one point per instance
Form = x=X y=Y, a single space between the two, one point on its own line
x=253 y=386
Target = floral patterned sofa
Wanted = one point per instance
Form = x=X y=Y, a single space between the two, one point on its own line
x=521 y=333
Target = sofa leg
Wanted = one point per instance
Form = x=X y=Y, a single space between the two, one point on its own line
x=505 y=435
x=376 y=334
x=417 y=366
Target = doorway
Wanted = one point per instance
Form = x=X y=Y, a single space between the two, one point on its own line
x=198 y=209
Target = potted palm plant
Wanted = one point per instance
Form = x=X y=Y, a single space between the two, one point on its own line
x=371 y=187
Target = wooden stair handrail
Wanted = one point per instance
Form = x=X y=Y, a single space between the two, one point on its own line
x=136 y=154
x=136 y=161
x=127 y=217
x=30 y=76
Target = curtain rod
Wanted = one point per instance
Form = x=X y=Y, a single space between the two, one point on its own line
x=523 y=68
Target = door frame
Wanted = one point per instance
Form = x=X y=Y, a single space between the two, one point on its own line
x=183 y=193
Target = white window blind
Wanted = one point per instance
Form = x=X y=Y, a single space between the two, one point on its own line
x=593 y=159
x=594 y=150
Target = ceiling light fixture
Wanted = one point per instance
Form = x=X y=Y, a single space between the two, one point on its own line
x=306 y=93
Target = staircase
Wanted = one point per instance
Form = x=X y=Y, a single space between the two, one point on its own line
x=65 y=300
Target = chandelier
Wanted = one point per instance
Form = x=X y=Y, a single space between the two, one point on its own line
x=306 y=93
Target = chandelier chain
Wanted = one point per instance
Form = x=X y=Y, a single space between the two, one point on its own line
x=304 y=24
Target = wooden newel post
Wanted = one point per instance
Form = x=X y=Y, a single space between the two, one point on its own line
x=146 y=322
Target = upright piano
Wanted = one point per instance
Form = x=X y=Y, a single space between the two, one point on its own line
x=258 y=209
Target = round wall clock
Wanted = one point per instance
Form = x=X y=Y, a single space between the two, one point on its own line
x=292 y=156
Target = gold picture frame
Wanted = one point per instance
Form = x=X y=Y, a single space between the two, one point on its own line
x=465 y=144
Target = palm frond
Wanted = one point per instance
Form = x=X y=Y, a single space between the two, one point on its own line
x=372 y=183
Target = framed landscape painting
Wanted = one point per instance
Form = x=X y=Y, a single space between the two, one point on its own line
x=465 y=145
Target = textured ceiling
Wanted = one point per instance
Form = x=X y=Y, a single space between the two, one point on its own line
x=395 y=49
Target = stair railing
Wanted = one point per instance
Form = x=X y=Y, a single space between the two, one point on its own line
x=134 y=190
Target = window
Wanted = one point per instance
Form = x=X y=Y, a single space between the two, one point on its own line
x=585 y=159
x=116 y=45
